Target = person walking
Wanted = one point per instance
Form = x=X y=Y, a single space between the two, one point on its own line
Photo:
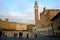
x=27 y=35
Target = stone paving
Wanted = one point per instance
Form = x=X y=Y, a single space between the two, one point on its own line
x=38 y=38
x=31 y=37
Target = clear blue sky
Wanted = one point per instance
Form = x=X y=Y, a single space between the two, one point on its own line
x=23 y=10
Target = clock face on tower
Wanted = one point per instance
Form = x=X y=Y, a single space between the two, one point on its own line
x=36 y=7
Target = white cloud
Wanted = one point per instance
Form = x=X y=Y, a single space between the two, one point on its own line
x=23 y=11
x=18 y=17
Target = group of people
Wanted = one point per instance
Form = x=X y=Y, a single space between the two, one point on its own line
x=20 y=34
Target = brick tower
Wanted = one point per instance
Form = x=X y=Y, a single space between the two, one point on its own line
x=36 y=11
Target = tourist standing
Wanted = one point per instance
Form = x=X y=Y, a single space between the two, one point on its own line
x=0 y=34
x=20 y=34
x=15 y=34
x=35 y=33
